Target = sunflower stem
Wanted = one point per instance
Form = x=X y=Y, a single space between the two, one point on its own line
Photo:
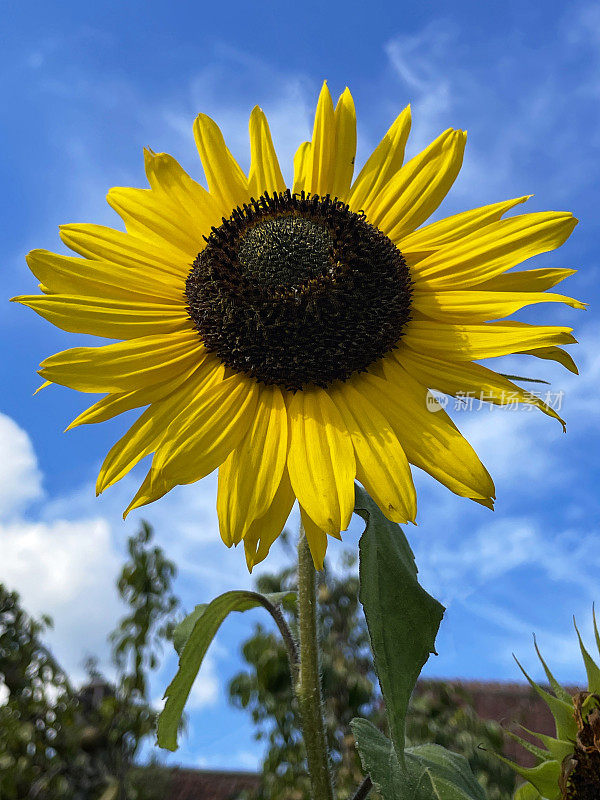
x=308 y=686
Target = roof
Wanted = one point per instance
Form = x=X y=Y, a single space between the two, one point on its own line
x=200 y=784
x=512 y=705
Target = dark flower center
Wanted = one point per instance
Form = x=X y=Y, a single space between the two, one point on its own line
x=298 y=290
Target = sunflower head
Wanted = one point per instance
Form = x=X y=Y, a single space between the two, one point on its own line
x=288 y=335
x=568 y=763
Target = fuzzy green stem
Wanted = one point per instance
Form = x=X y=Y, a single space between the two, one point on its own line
x=308 y=687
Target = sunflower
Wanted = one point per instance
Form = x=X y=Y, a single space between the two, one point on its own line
x=567 y=766
x=290 y=335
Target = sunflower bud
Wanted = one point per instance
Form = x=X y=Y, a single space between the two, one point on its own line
x=568 y=764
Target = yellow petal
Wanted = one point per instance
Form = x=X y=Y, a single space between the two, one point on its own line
x=494 y=249
x=169 y=180
x=227 y=183
x=301 y=162
x=114 y=404
x=264 y=531
x=345 y=145
x=265 y=173
x=125 y=366
x=479 y=306
x=251 y=475
x=452 y=229
x=430 y=440
x=382 y=164
x=149 y=429
x=156 y=218
x=320 y=162
x=316 y=538
x=473 y=342
x=553 y=354
x=152 y=489
x=418 y=188
x=321 y=460
x=529 y=280
x=381 y=464
x=103 y=279
x=112 y=319
x=468 y=380
x=97 y=241
x=200 y=439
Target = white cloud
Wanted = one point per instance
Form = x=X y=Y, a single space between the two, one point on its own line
x=63 y=567
x=20 y=478
x=508 y=124
x=205 y=691
x=419 y=60
x=66 y=562
x=4 y=693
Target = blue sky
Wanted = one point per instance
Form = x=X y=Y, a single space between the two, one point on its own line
x=86 y=86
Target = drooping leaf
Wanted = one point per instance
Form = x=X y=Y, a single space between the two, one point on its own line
x=184 y=630
x=429 y=772
x=192 y=639
x=403 y=619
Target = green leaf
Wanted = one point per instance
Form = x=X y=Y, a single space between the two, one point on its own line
x=192 y=638
x=450 y=773
x=183 y=631
x=403 y=619
x=430 y=772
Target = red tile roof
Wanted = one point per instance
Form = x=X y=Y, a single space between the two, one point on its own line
x=199 y=784
x=512 y=705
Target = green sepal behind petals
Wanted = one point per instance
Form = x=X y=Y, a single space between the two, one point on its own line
x=566 y=727
x=592 y=669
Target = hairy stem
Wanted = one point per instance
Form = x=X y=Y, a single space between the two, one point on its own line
x=287 y=636
x=308 y=685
